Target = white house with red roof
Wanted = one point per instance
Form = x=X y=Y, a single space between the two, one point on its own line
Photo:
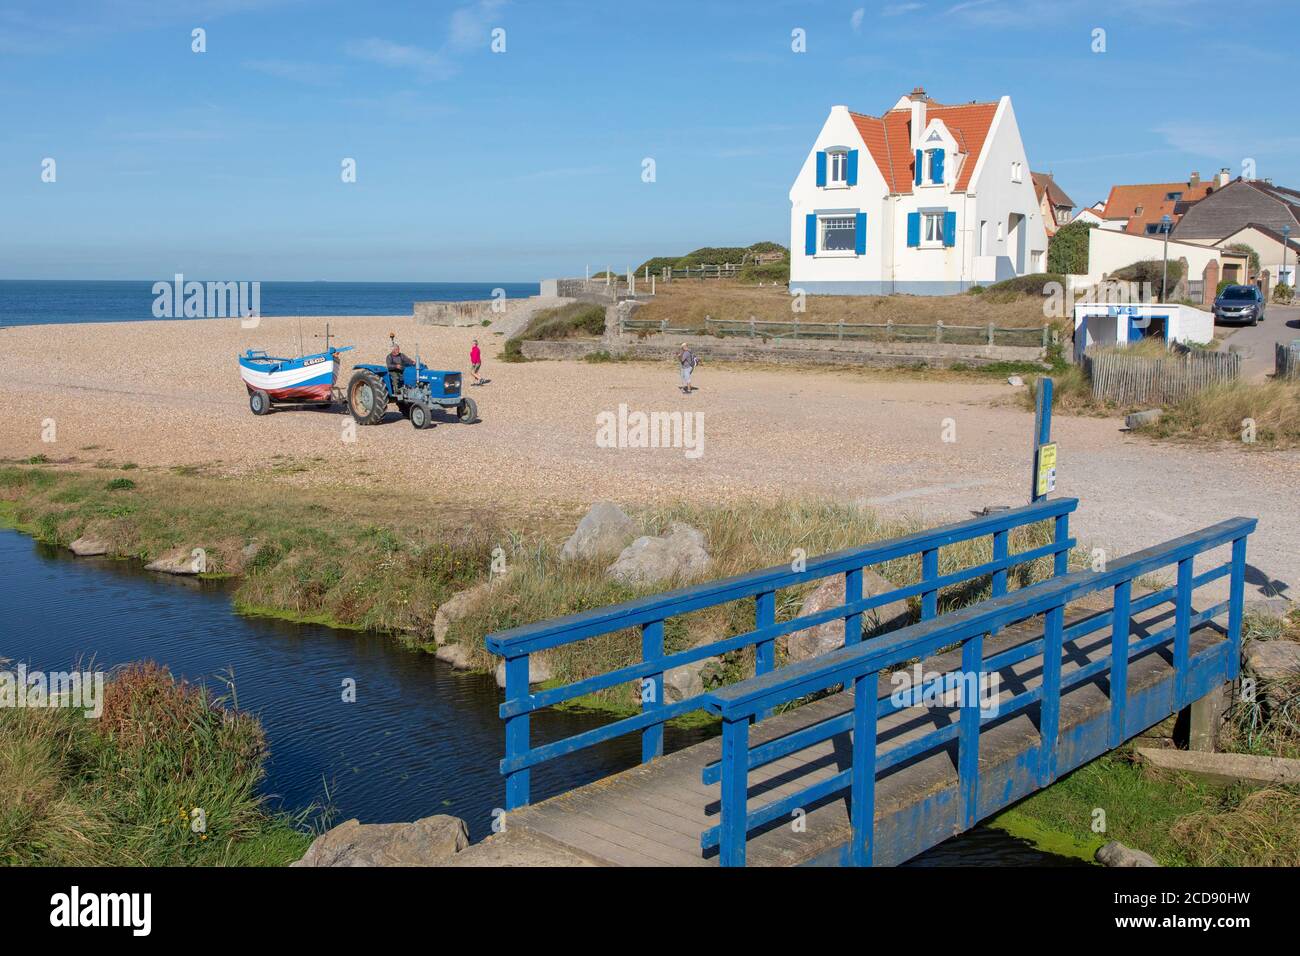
x=926 y=199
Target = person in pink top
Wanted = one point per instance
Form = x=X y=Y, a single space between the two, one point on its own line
x=475 y=362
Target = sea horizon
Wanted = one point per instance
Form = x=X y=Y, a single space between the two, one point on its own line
x=59 y=301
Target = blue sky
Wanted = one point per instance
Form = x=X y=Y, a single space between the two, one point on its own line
x=475 y=165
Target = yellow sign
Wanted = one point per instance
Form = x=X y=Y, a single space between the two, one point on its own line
x=1046 y=469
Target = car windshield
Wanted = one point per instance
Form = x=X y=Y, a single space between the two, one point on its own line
x=1239 y=292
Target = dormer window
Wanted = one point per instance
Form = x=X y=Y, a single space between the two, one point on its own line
x=837 y=171
x=1173 y=197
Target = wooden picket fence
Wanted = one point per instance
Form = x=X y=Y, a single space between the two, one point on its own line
x=1141 y=380
x=1288 y=361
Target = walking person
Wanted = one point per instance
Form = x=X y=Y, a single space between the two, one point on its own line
x=686 y=358
x=475 y=362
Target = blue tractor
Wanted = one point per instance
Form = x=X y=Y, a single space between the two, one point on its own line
x=415 y=390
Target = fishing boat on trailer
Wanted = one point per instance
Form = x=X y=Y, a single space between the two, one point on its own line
x=305 y=380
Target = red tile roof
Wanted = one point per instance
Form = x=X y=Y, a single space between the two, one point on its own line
x=1124 y=202
x=889 y=140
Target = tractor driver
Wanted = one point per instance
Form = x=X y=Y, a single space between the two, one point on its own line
x=397 y=360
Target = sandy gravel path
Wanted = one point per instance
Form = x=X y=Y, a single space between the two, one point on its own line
x=168 y=393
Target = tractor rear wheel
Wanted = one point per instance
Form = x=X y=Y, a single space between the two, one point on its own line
x=467 y=411
x=259 y=402
x=367 y=397
x=420 y=416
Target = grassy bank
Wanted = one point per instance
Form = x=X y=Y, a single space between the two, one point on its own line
x=686 y=303
x=575 y=320
x=167 y=776
x=315 y=555
x=1218 y=414
x=1179 y=819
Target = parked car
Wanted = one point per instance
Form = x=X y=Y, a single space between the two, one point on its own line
x=1239 y=303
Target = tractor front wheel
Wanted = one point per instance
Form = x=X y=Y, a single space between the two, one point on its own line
x=367 y=397
x=259 y=402
x=420 y=416
x=467 y=411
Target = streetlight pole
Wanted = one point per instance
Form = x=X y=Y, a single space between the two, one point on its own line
x=1166 y=224
x=1286 y=233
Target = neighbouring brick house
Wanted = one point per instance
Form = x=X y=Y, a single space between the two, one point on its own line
x=1140 y=208
x=1250 y=212
x=1055 y=206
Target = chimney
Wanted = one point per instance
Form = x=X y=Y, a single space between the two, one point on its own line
x=1221 y=180
x=1195 y=179
x=917 y=96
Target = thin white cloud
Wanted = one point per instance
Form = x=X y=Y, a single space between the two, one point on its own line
x=468 y=29
x=898 y=9
x=855 y=20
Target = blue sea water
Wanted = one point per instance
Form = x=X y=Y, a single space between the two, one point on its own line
x=44 y=302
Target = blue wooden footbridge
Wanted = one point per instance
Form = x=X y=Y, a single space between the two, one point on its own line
x=837 y=759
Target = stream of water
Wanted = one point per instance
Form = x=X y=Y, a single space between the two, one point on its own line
x=419 y=739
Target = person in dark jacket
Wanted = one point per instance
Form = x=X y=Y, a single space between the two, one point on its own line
x=397 y=360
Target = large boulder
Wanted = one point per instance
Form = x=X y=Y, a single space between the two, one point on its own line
x=1276 y=665
x=179 y=561
x=426 y=842
x=649 y=560
x=539 y=671
x=458 y=656
x=818 y=640
x=463 y=603
x=682 y=683
x=602 y=533
x=88 y=547
x=1115 y=853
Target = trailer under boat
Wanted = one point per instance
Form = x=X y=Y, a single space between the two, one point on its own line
x=306 y=380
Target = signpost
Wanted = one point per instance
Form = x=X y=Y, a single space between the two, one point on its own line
x=1043 y=480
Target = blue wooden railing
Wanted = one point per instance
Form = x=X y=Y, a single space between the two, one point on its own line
x=859 y=668
x=650 y=613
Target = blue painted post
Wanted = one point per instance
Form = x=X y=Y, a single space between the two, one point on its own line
x=968 y=745
x=764 y=651
x=862 y=794
x=735 y=796
x=652 y=648
x=852 y=592
x=929 y=571
x=1182 y=631
x=1236 y=596
x=1042 y=433
x=517 y=743
x=1119 y=641
x=1049 y=718
x=1061 y=562
x=1001 y=550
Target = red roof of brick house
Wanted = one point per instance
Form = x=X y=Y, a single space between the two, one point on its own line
x=889 y=139
x=1143 y=203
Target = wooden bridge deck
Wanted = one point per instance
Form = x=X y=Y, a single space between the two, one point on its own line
x=653 y=814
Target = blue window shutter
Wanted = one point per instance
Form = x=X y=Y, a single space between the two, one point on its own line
x=851 y=168
x=950 y=228
x=821 y=167
x=860 y=234
x=920 y=162
x=913 y=228
x=810 y=234
x=936 y=167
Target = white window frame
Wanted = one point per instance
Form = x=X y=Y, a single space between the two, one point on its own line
x=929 y=216
x=1017 y=172
x=837 y=156
x=823 y=220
